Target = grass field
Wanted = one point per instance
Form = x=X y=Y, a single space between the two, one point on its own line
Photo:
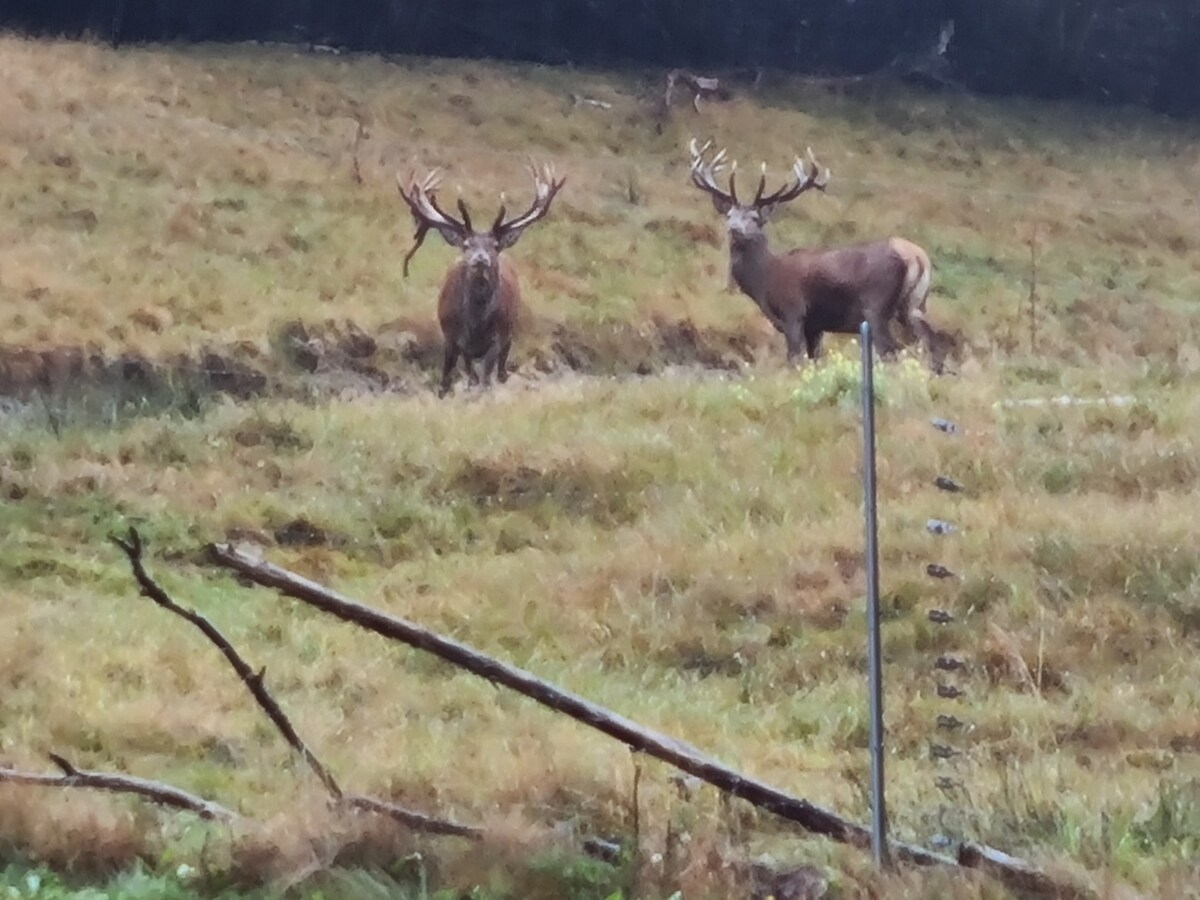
x=206 y=334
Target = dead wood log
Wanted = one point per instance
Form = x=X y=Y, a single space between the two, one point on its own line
x=155 y=791
x=1011 y=871
x=360 y=132
x=255 y=684
x=701 y=87
x=1017 y=874
x=677 y=753
x=251 y=679
x=417 y=821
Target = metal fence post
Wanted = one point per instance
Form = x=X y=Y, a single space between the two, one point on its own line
x=879 y=847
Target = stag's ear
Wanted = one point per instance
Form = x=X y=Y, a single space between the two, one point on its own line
x=766 y=211
x=453 y=237
x=506 y=238
x=721 y=204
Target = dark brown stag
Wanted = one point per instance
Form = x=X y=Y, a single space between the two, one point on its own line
x=480 y=299
x=807 y=292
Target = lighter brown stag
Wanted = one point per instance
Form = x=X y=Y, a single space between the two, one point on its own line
x=480 y=300
x=807 y=292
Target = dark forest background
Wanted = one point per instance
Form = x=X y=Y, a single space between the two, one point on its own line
x=1145 y=52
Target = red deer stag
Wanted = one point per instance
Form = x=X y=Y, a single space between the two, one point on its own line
x=807 y=292
x=480 y=299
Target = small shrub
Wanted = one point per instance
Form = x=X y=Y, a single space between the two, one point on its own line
x=837 y=381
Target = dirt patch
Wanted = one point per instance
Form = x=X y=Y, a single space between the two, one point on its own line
x=310 y=360
x=693 y=656
x=301 y=533
x=606 y=496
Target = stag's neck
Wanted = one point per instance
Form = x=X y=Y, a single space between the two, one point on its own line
x=748 y=264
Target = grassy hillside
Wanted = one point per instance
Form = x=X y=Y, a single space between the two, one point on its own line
x=683 y=547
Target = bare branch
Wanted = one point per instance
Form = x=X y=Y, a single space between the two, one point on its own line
x=414 y=820
x=581 y=100
x=251 y=679
x=155 y=791
x=701 y=87
x=1018 y=874
x=1010 y=870
x=254 y=682
x=677 y=753
x=359 y=133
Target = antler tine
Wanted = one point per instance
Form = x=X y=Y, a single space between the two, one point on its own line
x=762 y=184
x=432 y=179
x=703 y=173
x=543 y=179
x=545 y=188
x=419 y=197
x=466 y=216
x=822 y=174
x=804 y=180
x=499 y=215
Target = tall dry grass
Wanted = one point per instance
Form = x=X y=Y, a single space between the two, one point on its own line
x=685 y=549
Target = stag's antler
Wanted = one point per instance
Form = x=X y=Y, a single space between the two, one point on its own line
x=545 y=189
x=704 y=173
x=420 y=198
x=704 y=177
x=805 y=180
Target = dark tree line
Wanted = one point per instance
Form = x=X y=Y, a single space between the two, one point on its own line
x=1129 y=51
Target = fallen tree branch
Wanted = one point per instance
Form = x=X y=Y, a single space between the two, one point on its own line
x=1017 y=873
x=254 y=682
x=359 y=133
x=251 y=679
x=1011 y=871
x=581 y=100
x=414 y=820
x=677 y=753
x=156 y=791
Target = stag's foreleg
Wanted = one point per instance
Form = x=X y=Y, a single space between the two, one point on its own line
x=801 y=337
x=491 y=362
x=469 y=368
x=502 y=360
x=449 y=359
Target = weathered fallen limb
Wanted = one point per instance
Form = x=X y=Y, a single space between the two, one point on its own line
x=254 y=682
x=414 y=820
x=251 y=679
x=156 y=791
x=1018 y=874
x=360 y=132
x=581 y=100
x=679 y=754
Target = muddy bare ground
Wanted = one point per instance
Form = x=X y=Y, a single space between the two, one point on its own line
x=309 y=361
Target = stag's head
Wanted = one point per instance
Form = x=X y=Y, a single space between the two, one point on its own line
x=746 y=221
x=480 y=250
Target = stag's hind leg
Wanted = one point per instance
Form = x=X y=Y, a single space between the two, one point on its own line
x=885 y=343
x=932 y=342
x=812 y=340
